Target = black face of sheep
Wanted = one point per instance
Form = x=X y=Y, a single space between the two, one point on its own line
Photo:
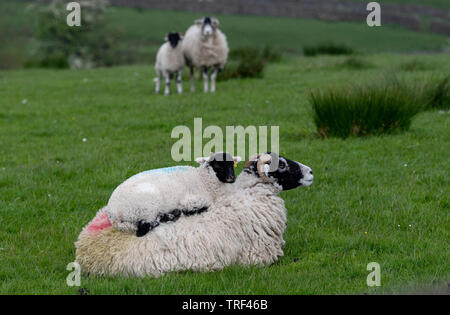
x=287 y=173
x=208 y=24
x=223 y=166
x=173 y=39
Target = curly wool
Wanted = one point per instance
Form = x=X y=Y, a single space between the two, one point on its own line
x=243 y=227
x=205 y=52
x=147 y=195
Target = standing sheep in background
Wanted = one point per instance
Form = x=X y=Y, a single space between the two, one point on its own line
x=204 y=47
x=150 y=198
x=244 y=227
x=170 y=61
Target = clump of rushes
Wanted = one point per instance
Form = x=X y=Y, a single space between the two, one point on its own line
x=414 y=65
x=364 y=110
x=329 y=48
x=437 y=93
x=355 y=63
x=244 y=62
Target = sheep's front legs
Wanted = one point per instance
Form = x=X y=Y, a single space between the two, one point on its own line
x=167 y=80
x=205 y=79
x=158 y=82
x=191 y=76
x=213 y=79
x=179 y=81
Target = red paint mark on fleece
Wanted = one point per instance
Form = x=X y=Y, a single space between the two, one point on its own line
x=99 y=223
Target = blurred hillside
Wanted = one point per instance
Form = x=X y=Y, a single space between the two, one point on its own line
x=141 y=30
x=432 y=16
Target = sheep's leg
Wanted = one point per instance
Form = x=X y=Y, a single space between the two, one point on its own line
x=191 y=77
x=167 y=80
x=179 y=81
x=205 y=79
x=213 y=79
x=158 y=82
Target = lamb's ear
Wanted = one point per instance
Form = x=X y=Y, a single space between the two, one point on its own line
x=198 y=21
x=215 y=22
x=181 y=35
x=237 y=159
x=202 y=160
x=166 y=37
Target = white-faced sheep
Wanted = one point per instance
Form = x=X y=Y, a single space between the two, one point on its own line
x=243 y=227
x=205 y=47
x=170 y=62
x=157 y=196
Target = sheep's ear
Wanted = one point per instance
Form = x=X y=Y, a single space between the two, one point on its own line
x=198 y=21
x=202 y=160
x=181 y=35
x=237 y=159
x=215 y=22
x=166 y=37
x=251 y=159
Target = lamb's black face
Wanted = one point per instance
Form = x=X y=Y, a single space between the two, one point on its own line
x=223 y=166
x=173 y=39
x=287 y=173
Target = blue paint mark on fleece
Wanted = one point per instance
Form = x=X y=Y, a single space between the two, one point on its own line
x=171 y=169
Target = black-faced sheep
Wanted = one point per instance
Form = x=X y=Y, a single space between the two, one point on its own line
x=170 y=62
x=205 y=47
x=243 y=227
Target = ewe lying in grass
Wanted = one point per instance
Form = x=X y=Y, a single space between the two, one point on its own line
x=244 y=227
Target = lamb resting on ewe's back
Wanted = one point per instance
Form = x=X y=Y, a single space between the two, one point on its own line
x=150 y=198
x=244 y=227
x=205 y=47
x=170 y=62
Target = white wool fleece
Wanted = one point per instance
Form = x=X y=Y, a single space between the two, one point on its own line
x=243 y=227
x=201 y=51
x=145 y=196
x=169 y=59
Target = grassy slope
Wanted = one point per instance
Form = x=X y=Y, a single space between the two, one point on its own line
x=144 y=31
x=292 y=35
x=395 y=188
x=441 y=4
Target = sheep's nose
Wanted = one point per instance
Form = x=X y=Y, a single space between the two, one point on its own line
x=230 y=179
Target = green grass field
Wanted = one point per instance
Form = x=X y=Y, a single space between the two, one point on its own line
x=382 y=199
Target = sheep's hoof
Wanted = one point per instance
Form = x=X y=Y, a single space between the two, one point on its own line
x=145 y=227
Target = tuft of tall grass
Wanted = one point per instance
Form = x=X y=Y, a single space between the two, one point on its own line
x=414 y=65
x=355 y=63
x=437 y=93
x=248 y=62
x=329 y=48
x=364 y=110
